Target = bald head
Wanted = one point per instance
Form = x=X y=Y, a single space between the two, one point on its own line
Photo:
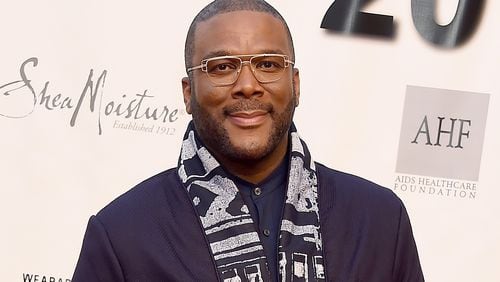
x=226 y=6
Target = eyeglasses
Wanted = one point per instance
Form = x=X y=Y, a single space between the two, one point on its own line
x=225 y=70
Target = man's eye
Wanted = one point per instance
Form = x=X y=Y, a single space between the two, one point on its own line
x=222 y=67
x=268 y=66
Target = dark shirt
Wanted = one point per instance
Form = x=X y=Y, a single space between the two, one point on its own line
x=265 y=202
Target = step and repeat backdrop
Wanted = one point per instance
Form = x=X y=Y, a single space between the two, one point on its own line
x=402 y=92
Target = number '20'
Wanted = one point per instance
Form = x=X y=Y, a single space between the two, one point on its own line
x=346 y=16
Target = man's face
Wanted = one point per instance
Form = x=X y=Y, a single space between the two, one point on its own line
x=247 y=120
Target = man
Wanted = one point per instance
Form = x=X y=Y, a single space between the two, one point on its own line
x=247 y=202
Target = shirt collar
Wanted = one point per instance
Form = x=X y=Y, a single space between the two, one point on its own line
x=276 y=179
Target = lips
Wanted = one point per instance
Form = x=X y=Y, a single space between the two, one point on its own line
x=248 y=113
x=248 y=118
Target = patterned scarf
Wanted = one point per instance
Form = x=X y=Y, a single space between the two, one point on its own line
x=229 y=229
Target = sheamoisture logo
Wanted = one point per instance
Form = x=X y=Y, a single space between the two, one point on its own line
x=19 y=99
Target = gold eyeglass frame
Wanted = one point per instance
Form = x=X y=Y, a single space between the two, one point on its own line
x=204 y=66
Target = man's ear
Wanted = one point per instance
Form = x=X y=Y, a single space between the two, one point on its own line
x=296 y=85
x=186 y=92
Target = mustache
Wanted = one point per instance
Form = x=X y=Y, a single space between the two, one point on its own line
x=248 y=105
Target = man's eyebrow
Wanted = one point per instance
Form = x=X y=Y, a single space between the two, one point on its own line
x=220 y=53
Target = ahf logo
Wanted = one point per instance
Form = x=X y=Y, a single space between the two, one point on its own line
x=442 y=133
x=424 y=130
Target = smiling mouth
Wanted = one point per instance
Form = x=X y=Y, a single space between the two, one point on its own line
x=248 y=119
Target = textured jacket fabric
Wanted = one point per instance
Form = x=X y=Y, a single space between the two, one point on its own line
x=152 y=233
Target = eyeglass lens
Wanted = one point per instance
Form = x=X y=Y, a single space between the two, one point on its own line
x=265 y=68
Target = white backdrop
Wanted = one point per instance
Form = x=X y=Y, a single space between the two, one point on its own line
x=54 y=175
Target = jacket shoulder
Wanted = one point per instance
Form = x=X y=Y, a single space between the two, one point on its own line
x=365 y=229
x=144 y=198
x=343 y=188
x=150 y=232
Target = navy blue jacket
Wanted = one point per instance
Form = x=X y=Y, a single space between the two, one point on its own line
x=151 y=233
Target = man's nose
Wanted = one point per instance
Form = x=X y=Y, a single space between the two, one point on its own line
x=247 y=84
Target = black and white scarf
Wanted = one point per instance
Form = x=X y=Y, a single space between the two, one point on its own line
x=234 y=241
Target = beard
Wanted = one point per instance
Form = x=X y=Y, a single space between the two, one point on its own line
x=212 y=133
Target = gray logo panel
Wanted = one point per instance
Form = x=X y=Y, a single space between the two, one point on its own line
x=442 y=133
